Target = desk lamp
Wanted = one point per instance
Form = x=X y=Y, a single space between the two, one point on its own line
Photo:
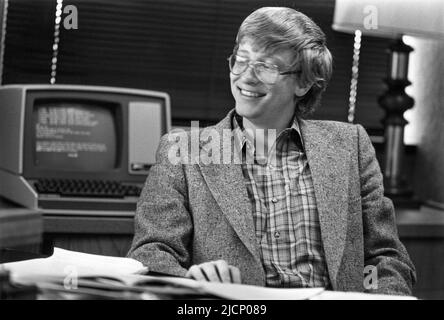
x=393 y=19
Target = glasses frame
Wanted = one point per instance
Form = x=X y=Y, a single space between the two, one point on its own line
x=253 y=64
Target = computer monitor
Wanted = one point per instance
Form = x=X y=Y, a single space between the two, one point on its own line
x=66 y=148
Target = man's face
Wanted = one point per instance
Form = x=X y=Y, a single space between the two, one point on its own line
x=259 y=102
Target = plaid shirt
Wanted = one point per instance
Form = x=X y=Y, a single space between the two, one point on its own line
x=285 y=214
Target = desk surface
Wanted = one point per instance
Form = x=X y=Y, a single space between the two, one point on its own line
x=19 y=226
x=420 y=223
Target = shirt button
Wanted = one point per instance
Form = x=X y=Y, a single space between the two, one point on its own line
x=274 y=200
x=277 y=234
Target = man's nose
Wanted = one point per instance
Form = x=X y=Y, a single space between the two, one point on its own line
x=249 y=75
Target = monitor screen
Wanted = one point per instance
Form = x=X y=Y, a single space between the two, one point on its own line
x=74 y=135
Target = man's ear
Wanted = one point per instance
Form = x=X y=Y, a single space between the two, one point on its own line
x=301 y=91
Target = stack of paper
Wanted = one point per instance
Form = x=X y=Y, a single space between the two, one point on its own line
x=99 y=276
x=65 y=263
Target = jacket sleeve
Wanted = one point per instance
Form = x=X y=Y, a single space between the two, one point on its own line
x=395 y=272
x=163 y=225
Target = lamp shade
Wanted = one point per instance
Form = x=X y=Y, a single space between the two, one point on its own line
x=390 y=18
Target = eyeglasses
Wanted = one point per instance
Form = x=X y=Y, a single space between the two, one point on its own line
x=266 y=72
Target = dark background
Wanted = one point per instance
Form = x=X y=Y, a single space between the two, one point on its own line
x=179 y=47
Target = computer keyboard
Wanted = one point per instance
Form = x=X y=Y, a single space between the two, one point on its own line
x=86 y=188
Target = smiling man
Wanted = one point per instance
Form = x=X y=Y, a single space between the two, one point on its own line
x=308 y=211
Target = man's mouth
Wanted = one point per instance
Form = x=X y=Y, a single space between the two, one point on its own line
x=251 y=94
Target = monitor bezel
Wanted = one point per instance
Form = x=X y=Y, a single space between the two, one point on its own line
x=119 y=100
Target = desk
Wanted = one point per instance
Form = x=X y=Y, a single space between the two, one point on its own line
x=421 y=232
x=19 y=226
x=105 y=235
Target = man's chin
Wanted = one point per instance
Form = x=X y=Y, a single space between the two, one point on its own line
x=246 y=111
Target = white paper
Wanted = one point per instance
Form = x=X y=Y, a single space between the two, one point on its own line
x=65 y=263
x=249 y=292
x=339 y=295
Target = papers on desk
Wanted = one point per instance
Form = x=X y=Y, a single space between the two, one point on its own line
x=339 y=295
x=63 y=263
x=103 y=277
x=76 y=275
x=246 y=292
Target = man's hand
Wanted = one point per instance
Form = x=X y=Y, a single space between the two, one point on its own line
x=217 y=271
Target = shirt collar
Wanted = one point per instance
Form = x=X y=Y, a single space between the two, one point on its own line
x=241 y=136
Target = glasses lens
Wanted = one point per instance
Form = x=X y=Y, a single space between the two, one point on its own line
x=237 y=64
x=266 y=73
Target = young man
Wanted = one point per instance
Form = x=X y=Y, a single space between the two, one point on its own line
x=307 y=210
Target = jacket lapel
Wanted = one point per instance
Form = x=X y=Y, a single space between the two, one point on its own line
x=328 y=159
x=226 y=183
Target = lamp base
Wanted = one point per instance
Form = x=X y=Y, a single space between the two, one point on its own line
x=395 y=102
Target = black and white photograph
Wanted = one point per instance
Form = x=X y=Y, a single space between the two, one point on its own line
x=232 y=157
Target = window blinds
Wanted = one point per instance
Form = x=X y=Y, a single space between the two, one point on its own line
x=177 y=46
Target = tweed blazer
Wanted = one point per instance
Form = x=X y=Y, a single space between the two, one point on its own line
x=193 y=213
